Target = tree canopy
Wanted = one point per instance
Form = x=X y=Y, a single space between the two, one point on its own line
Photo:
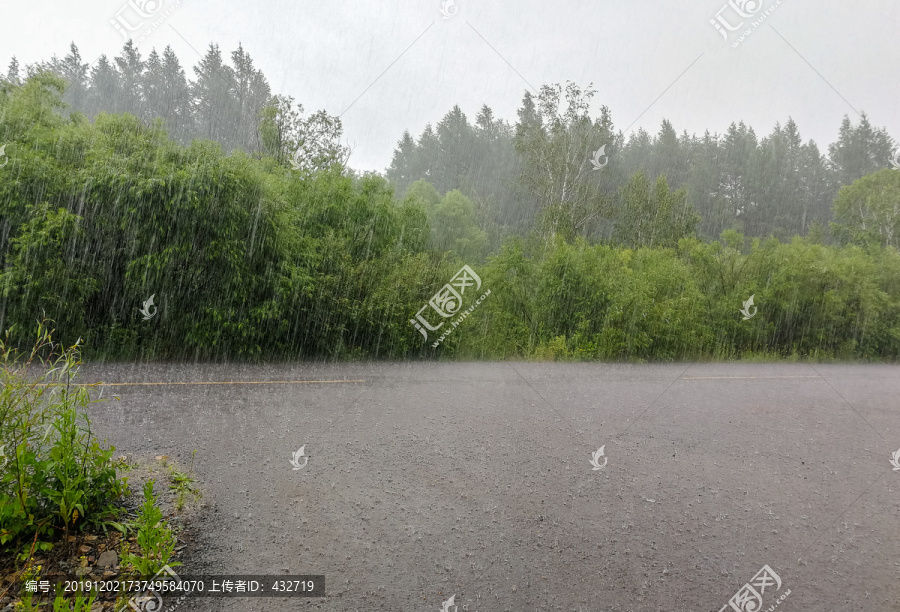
x=277 y=249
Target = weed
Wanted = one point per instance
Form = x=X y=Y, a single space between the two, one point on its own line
x=25 y=605
x=154 y=538
x=54 y=474
x=182 y=484
x=81 y=604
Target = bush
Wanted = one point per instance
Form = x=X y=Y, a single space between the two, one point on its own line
x=55 y=474
x=576 y=301
x=248 y=261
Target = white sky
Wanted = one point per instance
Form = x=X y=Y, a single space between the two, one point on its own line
x=327 y=54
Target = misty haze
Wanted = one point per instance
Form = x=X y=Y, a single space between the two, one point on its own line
x=444 y=305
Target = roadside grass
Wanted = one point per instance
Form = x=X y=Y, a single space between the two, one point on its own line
x=182 y=483
x=62 y=494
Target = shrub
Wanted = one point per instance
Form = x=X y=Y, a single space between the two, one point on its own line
x=55 y=474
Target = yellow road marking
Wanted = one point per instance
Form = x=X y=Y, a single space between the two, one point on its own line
x=228 y=382
x=741 y=377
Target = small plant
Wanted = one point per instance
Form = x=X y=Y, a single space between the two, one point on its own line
x=154 y=538
x=180 y=480
x=69 y=477
x=59 y=603
x=25 y=605
x=81 y=604
x=182 y=484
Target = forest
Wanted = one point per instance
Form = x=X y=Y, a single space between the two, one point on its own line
x=238 y=214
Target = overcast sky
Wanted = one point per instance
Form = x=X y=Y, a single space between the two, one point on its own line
x=389 y=65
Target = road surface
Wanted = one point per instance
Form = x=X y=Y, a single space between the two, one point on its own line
x=422 y=481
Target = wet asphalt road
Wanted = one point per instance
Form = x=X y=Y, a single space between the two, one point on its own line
x=474 y=480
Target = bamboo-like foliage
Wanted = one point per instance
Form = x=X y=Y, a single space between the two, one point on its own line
x=248 y=259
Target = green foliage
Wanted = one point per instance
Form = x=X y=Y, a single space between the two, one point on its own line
x=868 y=211
x=656 y=217
x=454 y=227
x=248 y=260
x=576 y=301
x=531 y=175
x=536 y=174
x=55 y=474
x=425 y=194
x=311 y=143
x=79 y=604
x=154 y=538
x=244 y=259
x=555 y=142
x=182 y=484
x=25 y=602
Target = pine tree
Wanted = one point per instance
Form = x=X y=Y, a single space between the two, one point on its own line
x=455 y=141
x=429 y=148
x=103 y=92
x=705 y=186
x=738 y=153
x=400 y=172
x=250 y=96
x=212 y=96
x=12 y=73
x=75 y=73
x=814 y=180
x=485 y=123
x=666 y=156
x=858 y=151
x=165 y=94
x=130 y=69
x=636 y=154
x=260 y=96
x=792 y=203
x=528 y=115
x=176 y=96
x=153 y=87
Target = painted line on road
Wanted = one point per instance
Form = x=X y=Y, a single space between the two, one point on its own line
x=741 y=377
x=229 y=382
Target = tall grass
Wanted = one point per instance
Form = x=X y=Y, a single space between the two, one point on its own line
x=55 y=475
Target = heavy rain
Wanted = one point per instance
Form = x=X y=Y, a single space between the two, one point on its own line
x=449 y=305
